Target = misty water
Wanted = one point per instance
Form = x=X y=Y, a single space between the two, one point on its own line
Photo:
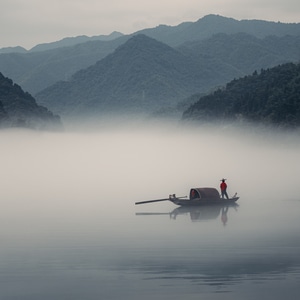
x=70 y=228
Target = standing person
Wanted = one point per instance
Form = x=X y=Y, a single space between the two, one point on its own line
x=223 y=187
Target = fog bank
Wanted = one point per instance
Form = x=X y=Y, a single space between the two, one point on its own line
x=147 y=161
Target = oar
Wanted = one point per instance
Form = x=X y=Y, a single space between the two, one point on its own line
x=157 y=200
x=151 y=214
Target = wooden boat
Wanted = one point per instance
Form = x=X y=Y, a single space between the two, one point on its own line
x=198 y=196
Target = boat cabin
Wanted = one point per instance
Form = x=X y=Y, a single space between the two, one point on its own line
x=204 y=193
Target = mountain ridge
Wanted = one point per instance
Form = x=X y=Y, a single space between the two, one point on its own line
x=146 y=72
x=212 y=24
x=72 y=41
x=145 y=68
x=64 y=42
x=37 y=70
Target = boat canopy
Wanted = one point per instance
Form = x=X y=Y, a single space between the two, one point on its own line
x=204 y=193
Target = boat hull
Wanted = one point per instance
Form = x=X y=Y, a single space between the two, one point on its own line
x=204 y=202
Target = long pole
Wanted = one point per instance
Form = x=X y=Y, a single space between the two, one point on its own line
x=157 y=200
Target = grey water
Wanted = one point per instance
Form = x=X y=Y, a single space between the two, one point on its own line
x=69 y=227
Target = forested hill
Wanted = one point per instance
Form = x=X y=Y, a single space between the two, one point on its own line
x=270 y=97
x=19 y=109
x=140 y=76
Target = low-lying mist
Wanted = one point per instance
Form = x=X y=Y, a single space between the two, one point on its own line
x=131 y=162
x=139 y=160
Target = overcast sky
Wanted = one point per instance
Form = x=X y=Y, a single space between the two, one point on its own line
x=27 y=23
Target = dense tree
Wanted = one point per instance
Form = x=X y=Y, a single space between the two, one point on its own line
x=19 y=108
x=272 y=97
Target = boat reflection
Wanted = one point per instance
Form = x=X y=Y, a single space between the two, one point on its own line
x=203 y=213
x=199 y=213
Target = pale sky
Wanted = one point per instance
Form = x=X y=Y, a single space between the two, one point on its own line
x=27 y=23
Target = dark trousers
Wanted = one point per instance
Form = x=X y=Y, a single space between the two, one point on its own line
x=224 y=193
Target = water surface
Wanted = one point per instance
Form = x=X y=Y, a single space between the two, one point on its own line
x=70 y=229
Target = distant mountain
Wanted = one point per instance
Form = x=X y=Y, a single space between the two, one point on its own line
x=72 y=41
x=243 y=52
x=19 y=109
x=37 y=69
x=144 y=74
x=65 y=42
x=212 y=24
x=17 y=49
x=140 y=76
x=270 y=97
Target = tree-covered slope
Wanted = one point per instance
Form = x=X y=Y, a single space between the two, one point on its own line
x=19 y=109
x=140 y=76
x=270 y=97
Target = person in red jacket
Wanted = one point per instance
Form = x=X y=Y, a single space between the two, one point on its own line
x=223 y=187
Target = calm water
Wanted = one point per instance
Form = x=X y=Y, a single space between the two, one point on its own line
x=70 y=229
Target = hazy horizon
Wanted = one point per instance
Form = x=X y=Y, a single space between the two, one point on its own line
x=36 y=22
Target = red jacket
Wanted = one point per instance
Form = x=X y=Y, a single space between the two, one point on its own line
x=223 y=186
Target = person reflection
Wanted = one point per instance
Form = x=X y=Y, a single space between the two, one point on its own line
x=224 y=217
